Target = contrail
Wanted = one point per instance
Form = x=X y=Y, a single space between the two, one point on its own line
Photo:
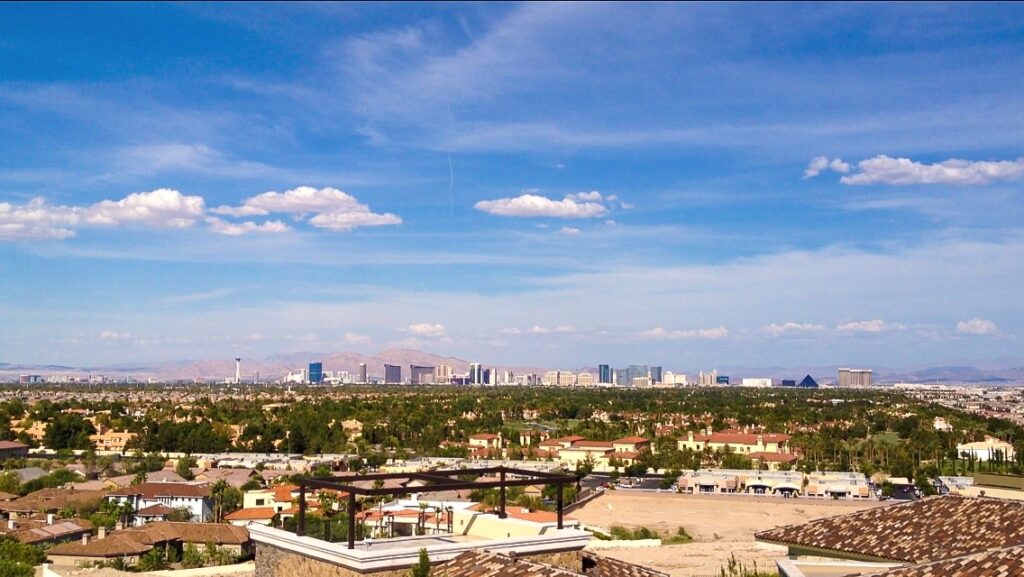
x=451 y=186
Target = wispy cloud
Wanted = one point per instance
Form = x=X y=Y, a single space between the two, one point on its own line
x=682 y=334
x=200 y=296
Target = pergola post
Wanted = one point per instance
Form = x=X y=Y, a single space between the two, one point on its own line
x=300 y=527
x=501 y=496
x=559 y=487
x=351 y=520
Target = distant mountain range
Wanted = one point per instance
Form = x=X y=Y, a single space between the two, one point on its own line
x=998 y=371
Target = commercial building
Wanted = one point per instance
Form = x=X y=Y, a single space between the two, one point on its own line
x=443 y=374
x=604 y=374
x=476 y=374
x=854 y=377
x=707 y=379
x=12 y=450
x=421 y=375
x=392 y=374
x=362 y=374
x=316 y=373
x=656 y=374
x=758 y=383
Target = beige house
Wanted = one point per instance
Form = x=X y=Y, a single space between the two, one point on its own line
x=738 y=441
x=114 y=441
x=134 y=543
x=988 y=450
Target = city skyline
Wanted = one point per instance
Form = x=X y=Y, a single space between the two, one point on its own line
x=535 y=185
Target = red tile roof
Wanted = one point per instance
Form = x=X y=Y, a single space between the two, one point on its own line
x=157 y=490
x=773 y=457
x=1007 y=562
x=253 y=514
x=631 y=440
x=930 y=529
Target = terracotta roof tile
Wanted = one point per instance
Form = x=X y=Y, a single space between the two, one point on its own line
x=921 y=531
x=601 y=566
x=112 y=546
x=253 y=514
x=1008 y=562
x=155 y=490
x=486 y=564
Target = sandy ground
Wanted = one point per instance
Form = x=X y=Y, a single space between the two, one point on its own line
x=720 y=525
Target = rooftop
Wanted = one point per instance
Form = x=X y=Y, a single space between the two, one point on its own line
x=931 y=529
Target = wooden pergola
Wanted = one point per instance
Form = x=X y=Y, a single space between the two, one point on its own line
x=435 y=481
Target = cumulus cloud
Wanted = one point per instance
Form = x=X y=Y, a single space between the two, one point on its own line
x=569 y=230
x=36 y=219
x=680 y=334
x=790 y=328
x=427 y=330
x=333 y=209
x=872 y=326
x=976 y=327
x=578 y=205
x=220 y=226
x=884 y=169
x=163 y=207
x=820 y=163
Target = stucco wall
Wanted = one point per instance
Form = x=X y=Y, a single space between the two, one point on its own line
x=274 y=562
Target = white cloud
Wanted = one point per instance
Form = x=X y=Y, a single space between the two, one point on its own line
x=976 y=327
x=820 y=163
x=791 y=327
x=333 y=208
x=872 y=326
x=539 y=330
x=220 y=226
x=427 y=330
x=36 y=219
x=883 y=169
x=114 y=336
x=350 y=220
x=356 y=339
x=662 y=334
x=532 y=205
x=592 y=196
x=164 y=208
x=569 y=230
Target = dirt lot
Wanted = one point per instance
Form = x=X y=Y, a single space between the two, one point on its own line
x=721 y=525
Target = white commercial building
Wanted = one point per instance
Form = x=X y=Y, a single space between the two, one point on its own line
x=756 y=382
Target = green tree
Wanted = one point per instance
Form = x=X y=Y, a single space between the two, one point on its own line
x=422 y=567
x=153 y=560
x=184 y=468
x=69 y=431
x=191 y=557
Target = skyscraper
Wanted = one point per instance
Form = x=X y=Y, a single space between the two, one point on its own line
x=855 y=377
x=656 y=374
x=604 y=374
x=362 y=373
x=476 y=374
x=392 y=374
x=316 y=373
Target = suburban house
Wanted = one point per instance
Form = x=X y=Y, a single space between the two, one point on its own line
x=553 y=446
x=193 y=496
x=50 y=501
x=111 y=441
x=276 y=498
x=131 y=544
x=936 y=536
x=12 y=450
x=233 y=477
x=45 y=531
x=260 y=515
x=990 y=449
x=738 y=441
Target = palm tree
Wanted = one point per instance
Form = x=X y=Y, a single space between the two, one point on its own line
x=218 y=499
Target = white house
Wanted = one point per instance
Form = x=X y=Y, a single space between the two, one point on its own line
x=986 y=450
x=193 y=496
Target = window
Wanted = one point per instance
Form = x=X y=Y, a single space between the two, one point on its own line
x=259 y=502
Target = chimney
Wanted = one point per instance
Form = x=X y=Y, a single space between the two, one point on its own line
x=49 y=518
x=85 y=539
x=101 y=533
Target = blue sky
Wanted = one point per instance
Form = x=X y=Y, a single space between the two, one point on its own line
x=533 y=184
